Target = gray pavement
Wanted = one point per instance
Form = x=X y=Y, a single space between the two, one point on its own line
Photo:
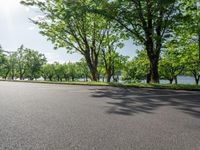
x=66 y=117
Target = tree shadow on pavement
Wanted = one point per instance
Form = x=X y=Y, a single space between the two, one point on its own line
x=130 y=101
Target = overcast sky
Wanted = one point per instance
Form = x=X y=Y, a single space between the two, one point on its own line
x=16 y=29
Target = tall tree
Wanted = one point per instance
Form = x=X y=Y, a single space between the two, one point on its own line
x=75 y=29
x=109 y=55
x=147 y=22
x=189 y=33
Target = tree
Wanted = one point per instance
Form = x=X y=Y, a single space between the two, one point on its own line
x=72 y=71
x=192 y=59
x=147 y=22
x=143 y=66
x=4 y=64
x=137 y=69
x=108 y=52
x=129 y=72
x=84 y=70
x=48 y=71
x=59 y=71
x=10 y=66
x=21 y=65
x=189 y=33
x=190 y=21
x=75 y=29
x=173 y=62
x=34 y=62
x=2 y=59
x=2 y=56
x=66 y=72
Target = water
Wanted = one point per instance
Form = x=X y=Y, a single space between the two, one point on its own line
x=181 y=80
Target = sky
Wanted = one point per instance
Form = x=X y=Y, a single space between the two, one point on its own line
x=16 y=29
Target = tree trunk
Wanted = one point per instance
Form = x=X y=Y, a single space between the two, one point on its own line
x=196 y=76
x=197 y=81
x=108 y=74
x=153 y=51
x=109 y=77
x=171 y=81
x=21 y=77
x=6 y=75
x=95 y=74
x=153 y=56
x=154 y=76
x=176 y=81
x=92 y=67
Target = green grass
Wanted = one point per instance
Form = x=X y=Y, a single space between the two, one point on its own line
x=168 y=86
x=137 y=85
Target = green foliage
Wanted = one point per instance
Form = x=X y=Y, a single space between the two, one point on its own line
x=65 y=25
x=83 y=69
x=48 y=71
x=148 y=23
x=68 y=71
x=137 y=69
x=34 y=62
x=2 y=60
x=168 y=31
x=192 y=59
x=24 y=63
x=21 y=62
x=172 y=63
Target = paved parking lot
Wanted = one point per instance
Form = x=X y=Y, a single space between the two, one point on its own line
x=68 y=117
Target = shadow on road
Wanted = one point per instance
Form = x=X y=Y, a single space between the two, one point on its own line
x=132 y=100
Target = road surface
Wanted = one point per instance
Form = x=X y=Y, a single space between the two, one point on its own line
x=69 y=117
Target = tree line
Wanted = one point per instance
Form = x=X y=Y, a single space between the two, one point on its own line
x=29 y=64
x=24 y=63
x=173 y=62
x=95 y=28
x=32 y=65
x=166 y=31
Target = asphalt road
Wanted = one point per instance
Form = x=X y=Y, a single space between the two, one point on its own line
x=65 y=117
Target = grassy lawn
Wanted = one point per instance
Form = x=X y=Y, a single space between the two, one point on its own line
x=137 y=85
